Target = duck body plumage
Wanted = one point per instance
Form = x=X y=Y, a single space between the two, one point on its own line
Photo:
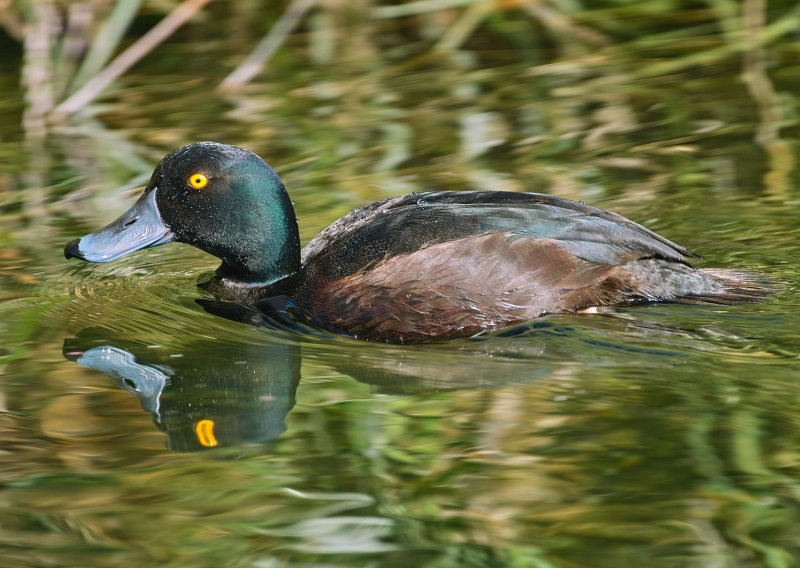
x=421 y=267
x=453 y=264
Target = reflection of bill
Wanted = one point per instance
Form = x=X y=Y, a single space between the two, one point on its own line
x=211 y=394
x=145 y=381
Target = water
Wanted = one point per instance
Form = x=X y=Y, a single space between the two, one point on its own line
x=143 y=425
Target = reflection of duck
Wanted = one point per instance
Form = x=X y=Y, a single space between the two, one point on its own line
x=211 y=393
x=428 y=265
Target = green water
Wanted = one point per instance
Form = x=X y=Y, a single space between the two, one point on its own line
x=658 y=436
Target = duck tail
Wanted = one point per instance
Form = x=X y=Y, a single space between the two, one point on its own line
x=732 y=287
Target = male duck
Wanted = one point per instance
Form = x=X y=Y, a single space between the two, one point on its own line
x=414 y=268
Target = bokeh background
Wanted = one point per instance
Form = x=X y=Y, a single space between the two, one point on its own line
x=660 y=436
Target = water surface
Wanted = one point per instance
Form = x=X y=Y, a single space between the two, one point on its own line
x=143 y=426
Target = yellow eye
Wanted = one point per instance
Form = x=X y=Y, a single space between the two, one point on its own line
x=198 y=181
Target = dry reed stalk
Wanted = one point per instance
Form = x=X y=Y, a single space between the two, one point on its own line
x=106 y=41
x=259 y=57
x=37 y=72
x=125 y=60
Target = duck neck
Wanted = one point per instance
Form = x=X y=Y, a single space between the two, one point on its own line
x=266 y=257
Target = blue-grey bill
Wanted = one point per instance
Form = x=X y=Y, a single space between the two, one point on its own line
x=138 y=228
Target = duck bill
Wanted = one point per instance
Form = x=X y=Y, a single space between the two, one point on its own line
x=138 y=228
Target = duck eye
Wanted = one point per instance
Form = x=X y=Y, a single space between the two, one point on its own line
x=198 y=181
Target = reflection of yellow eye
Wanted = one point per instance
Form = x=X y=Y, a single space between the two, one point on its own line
x=204 y=429
x=198 y=181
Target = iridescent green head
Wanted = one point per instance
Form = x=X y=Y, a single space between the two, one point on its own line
x=221 y=199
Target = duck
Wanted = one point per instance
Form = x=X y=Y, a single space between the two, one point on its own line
x=421 y=267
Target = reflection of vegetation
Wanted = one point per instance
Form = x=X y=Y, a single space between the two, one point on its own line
x=21 y=329
x=598 y=468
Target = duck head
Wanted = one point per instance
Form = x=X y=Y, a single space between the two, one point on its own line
x=222 y=199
